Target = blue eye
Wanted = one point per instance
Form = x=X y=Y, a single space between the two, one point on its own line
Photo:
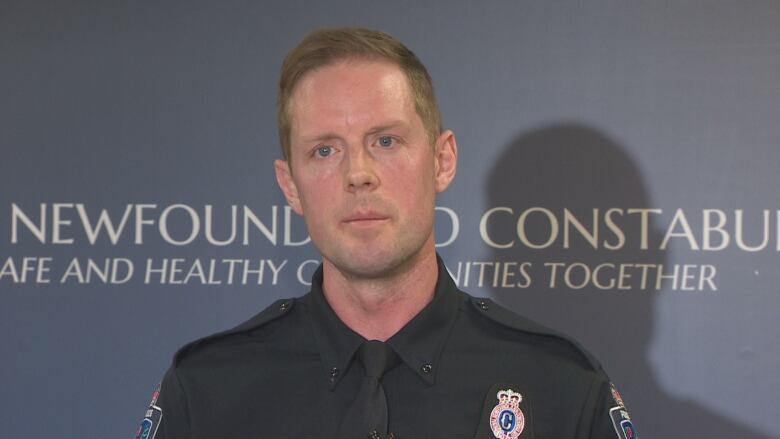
x=324 y=151
x=386 y=141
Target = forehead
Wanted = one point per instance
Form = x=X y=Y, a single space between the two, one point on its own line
x=348 y=96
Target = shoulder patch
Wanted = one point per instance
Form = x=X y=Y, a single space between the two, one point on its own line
x=151 y=421
x=497 y=313
x=274 y=311
x=621 y=420
x=624 y=428
x=616 y=395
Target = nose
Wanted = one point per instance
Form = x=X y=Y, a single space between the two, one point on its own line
x=360 y=172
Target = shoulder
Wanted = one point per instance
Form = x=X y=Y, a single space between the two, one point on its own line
x=508 y=324
x=278 y=311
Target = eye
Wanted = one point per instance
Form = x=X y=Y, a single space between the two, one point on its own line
x=386 y=141
x=324 y=150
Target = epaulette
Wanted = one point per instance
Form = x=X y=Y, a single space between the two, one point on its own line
x=505 y=317
x=277 y=309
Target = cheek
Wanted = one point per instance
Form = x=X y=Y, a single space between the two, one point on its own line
x=416 y=189
x=315 y=180
x=414 y=166
x=310 y=196
x=313 y=171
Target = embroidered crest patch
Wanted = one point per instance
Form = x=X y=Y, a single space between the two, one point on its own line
x=507 y=420
x=151 y=421
x=510 y=417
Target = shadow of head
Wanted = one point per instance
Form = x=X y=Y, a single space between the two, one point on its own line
x=577 y=169
x=570 y=189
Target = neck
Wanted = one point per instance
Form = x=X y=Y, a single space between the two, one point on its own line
x=377 y=308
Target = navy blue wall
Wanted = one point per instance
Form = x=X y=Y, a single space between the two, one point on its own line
x=608 y=141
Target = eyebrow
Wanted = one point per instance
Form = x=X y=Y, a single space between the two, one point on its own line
x=321 y=137
x=384 y=127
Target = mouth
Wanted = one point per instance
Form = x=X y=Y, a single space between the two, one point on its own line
x=365 y=218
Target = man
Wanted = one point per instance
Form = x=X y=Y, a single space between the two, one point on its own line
x=384 y=345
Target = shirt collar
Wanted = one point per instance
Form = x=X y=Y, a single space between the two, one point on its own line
x=419 y=343
x=335 y=341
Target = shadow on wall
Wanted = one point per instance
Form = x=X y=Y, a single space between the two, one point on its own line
x=576 y=167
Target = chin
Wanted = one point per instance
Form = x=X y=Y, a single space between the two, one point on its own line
x=368 y=269
x=377 y=264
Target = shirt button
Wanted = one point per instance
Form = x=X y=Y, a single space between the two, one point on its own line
x=284 y=306
x=334 y=373
x=483 y=305
x=426 y=368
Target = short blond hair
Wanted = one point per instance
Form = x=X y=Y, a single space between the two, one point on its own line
x=324 y=47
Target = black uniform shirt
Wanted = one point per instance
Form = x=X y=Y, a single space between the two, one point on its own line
x=289 y=373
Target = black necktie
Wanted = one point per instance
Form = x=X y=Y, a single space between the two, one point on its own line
x=366 y=418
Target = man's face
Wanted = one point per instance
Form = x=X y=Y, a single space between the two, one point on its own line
x=362 y=170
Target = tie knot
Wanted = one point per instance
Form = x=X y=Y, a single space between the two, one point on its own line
x=377 y=358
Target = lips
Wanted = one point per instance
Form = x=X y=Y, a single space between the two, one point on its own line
x=364 y=218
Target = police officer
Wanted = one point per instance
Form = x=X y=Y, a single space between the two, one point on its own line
x=384 y=345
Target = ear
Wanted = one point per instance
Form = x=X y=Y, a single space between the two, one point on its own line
x=446 y=160
x=287 y=185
